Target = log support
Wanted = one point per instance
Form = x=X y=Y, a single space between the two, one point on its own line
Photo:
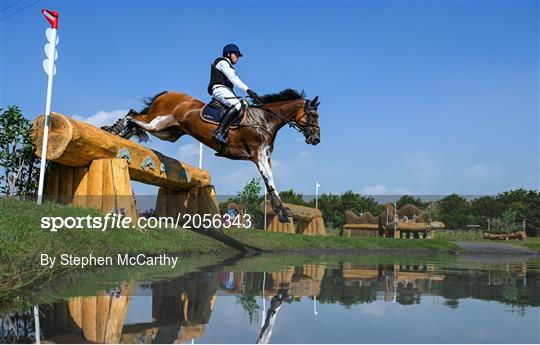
x=94 y=169
x=305 y=220
x=201 y=201
x=104 y=185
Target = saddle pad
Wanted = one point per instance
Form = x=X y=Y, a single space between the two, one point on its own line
x=212 y=114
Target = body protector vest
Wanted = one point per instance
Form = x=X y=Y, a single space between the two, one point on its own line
x=218 y=77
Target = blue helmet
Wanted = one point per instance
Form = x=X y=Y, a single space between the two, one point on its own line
x=231 y=48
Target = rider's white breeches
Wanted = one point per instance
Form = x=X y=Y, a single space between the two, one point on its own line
x=226 y=97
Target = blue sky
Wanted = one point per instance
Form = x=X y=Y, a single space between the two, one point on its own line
x=416 y=97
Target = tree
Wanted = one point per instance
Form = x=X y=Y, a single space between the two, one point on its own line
x=455 y=212
x=249 y=197
x=408 y=199
x=486 y=207
x=527 y=205
x=329 y=204
x=17 y=159
x=333 y=207
x=291 y=197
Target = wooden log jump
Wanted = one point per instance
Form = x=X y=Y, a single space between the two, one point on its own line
x=415 y=229
x=94 y=168
x=362 y=230
x=305 y=220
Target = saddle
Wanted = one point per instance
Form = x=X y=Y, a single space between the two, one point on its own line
x=214 y=110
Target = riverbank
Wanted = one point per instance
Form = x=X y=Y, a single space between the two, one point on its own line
x=22 y=241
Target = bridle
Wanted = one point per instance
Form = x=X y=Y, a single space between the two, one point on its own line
x=310 y=113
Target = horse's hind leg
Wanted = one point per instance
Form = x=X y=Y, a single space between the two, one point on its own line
x=120 y=126
x=125 y=127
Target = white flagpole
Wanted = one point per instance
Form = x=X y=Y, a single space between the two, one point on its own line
x=47 y=120
x=317 y=185
x=200 y=155
x=263 y=318
x=36 y=325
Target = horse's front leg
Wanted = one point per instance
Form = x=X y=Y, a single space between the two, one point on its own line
x=264 y=164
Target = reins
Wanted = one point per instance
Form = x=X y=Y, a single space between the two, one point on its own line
x=308 y=129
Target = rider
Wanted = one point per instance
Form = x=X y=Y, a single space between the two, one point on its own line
x=222 y=80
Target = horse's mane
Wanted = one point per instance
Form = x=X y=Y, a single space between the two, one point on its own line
x=285 y=95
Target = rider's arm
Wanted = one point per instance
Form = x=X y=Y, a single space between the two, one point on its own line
x=230 y=73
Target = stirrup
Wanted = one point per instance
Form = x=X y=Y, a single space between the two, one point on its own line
x=220 y=137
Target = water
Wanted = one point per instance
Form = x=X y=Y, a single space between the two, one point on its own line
x=295 y=299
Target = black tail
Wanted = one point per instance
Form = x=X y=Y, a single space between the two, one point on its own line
x=148 y=102
x=126 y=128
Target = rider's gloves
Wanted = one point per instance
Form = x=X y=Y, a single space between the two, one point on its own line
x=254 y=96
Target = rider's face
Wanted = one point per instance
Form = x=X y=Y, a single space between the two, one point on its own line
x=234 y=58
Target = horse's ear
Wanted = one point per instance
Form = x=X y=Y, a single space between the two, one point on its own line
x=314 y=102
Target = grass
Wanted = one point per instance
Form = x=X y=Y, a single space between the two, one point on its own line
x=460 y=235
x=272 y=242
x=477 y=236
x=22 y=241
x=531 y=243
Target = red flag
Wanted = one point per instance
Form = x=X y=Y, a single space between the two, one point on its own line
x=52 y=17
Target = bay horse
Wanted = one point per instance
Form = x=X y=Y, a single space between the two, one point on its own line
x=169 y=115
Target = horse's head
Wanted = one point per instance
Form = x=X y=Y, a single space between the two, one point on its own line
x=308 y=120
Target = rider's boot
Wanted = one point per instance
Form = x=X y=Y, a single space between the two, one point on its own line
x=221 y=132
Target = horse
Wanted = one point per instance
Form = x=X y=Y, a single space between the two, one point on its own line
x=170 y=115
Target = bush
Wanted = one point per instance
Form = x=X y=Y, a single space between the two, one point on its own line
x=407 y=199
x=249 y=197
x=526 y=204
x=456 y=212
x=333 y=207
x=507 y=223
x=17 y=159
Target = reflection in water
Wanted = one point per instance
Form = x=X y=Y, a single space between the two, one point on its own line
x=180 y=309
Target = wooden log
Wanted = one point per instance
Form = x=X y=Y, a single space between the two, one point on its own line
x=75 y=305
x=361 y=226
x=89 y=318
x=109 y=187
x=65 y=189
x=309 y=220
x=76 y=144
x=299 y=212
x=200 y=200
x=517 y=235
x=207 y=201
x=273 y=223
x=53 y=181
x=321 y=229
x=80 y=186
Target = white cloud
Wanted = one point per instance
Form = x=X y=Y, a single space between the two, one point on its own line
x=377 y=189
x=374 y=309
x=305 y=155
x=188 y=150
x=479 y=171
x=280 y=169
x=403 y=191
x=238 y=178
x=102 y=118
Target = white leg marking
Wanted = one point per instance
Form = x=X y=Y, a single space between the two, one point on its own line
x=159 y=123
x=265 y=169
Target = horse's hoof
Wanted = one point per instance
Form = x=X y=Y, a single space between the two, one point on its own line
x=284 y=213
